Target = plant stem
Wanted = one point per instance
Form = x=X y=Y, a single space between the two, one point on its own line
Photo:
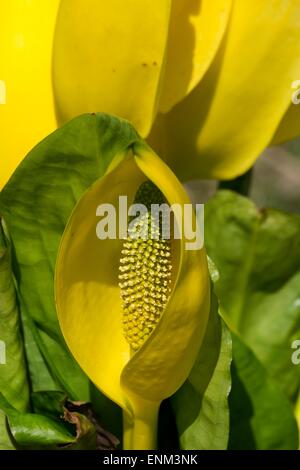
x=141 y=433
x=144 y=436
x=127 y=431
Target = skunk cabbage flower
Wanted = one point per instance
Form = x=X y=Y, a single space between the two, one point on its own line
x=208 y=82
x=133 y=310
x=27 y=112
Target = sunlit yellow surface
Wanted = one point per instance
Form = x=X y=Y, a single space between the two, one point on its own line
x=26 y=99
x=90 y=309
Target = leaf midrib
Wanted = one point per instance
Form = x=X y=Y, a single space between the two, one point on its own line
x=238 y=306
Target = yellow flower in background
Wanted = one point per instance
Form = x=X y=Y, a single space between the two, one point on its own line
x=208 y=82
x=133 y=312
x=26 y=100
x=133 y=58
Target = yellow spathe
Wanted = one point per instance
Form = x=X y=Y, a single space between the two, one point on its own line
x=209 y=83
x=131 y=58
x=220 y=129
x=196 y=29
x=219 y=91
x=26 y=108
x=109 y=56
x=90 y=309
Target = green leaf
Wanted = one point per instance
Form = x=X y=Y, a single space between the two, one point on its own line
x=261 y=415
x=5 y=439
x=90 y=433
x=33 y=430
x=36 y=204
x=13 y=374
x=40 y=375
x=49 y=403
x=257 y=253
x=201 y=405
x=37 y=431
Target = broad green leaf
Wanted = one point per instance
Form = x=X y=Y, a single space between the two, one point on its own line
x=257 y=253
x=13 y=373
x=5 y=439
x=261 y=415
x=36 y=204
x=49 y=403
x=69 y=430
x=38 y=431
x=33 y=430
x=201 y=404
x=89 y=432
x=40 y=375
x=54 y=404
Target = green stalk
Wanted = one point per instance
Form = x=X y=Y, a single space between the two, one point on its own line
x=140 y=432
x=127 y=431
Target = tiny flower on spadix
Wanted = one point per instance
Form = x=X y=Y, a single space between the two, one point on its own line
x=133 y=311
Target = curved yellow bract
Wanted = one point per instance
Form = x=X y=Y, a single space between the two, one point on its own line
x=90 y=309
x=200 y=78
x=131 y=58
x=26 y=100
x=223 y=125
x=109 y=57
x=195 y=33
x=289 y=127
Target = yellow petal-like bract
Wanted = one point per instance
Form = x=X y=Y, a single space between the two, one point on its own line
x=27 y=112
x=209 y=83
x=196 y=30
x=228 y=120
